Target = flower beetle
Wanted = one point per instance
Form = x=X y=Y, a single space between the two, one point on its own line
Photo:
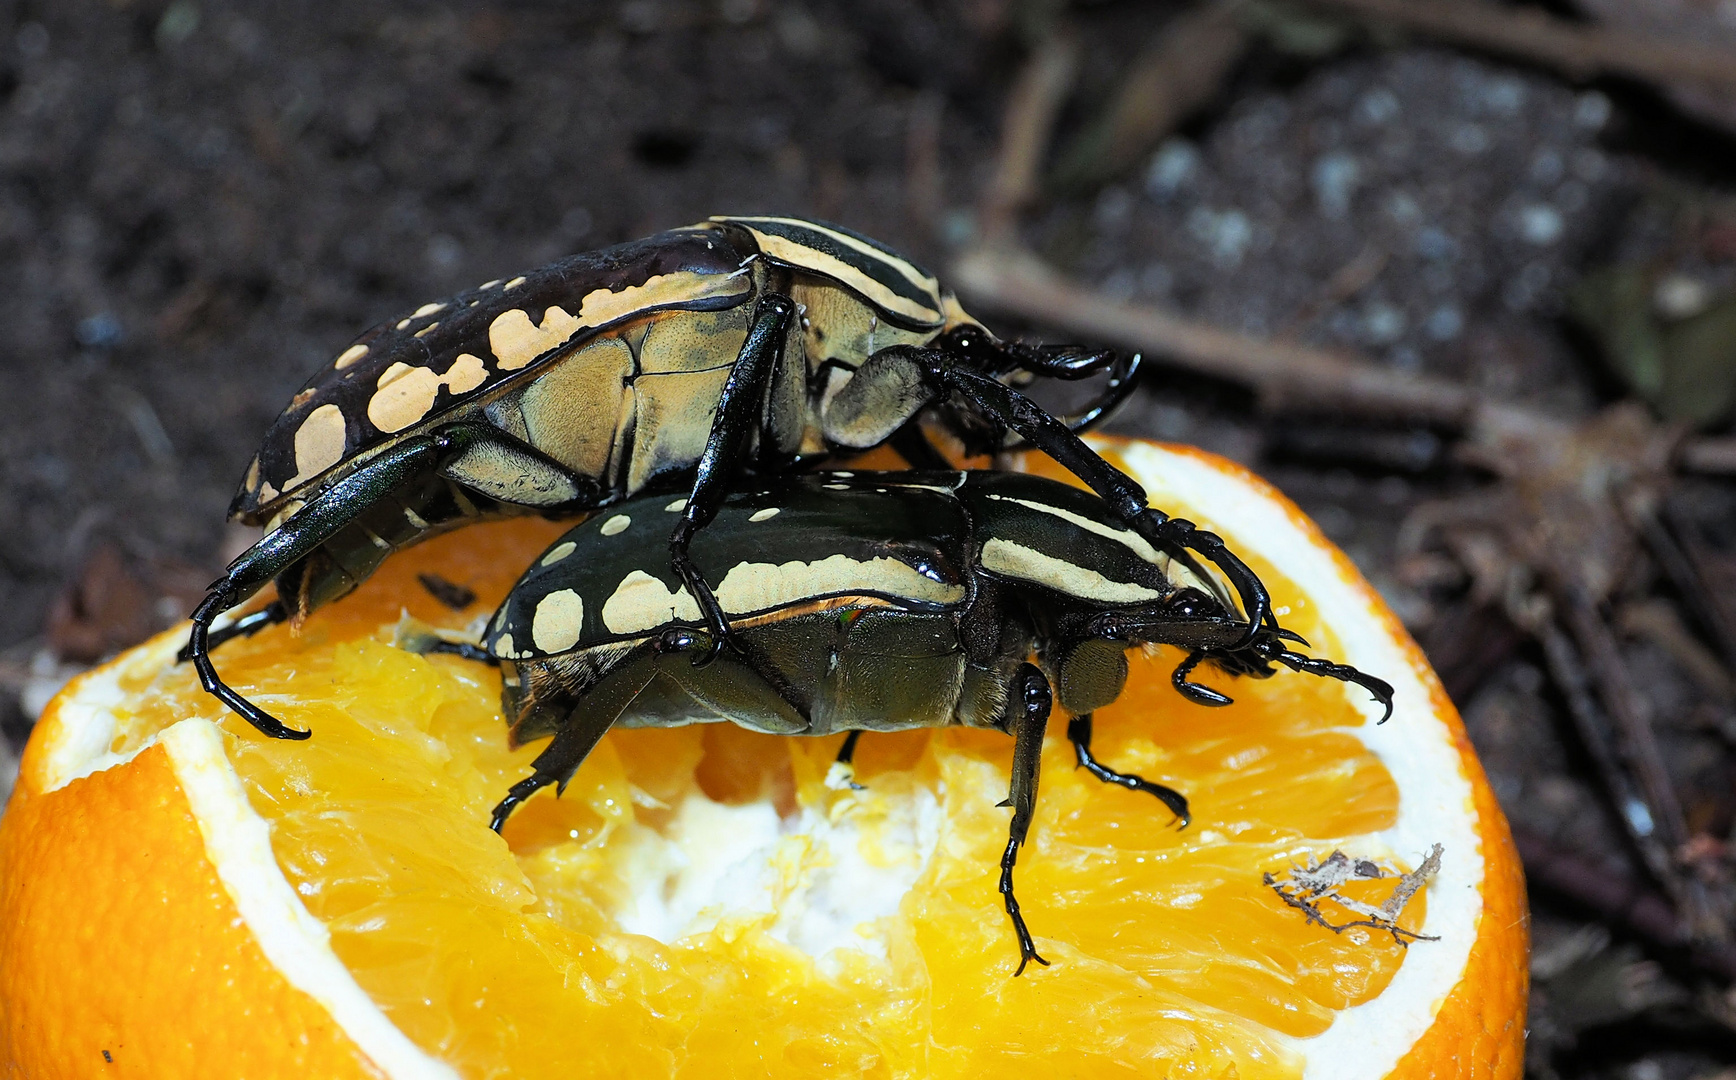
x=669 y=363
x=867 y=602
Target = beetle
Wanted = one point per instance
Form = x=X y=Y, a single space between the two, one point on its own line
x=867 y=602
x=674 y=362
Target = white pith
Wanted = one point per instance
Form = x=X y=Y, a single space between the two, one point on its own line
x=828 y=890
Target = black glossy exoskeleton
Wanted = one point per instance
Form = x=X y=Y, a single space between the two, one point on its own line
x=674 y=362
x=868 y=602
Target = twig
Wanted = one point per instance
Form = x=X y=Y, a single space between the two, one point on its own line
x=1684 y=563
x=1032 y=108
x=1568 y=671
x=1632 y=712
x=924 y=184
x=1350 y=279
x=1285 y=374
x=1711 y=454
x=1015 y=280
x=1658 y=622
x=1575 y=49
x=1619 y=899
x=1182 y=68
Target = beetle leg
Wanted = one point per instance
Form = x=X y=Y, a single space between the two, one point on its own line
x=742 y=398
x=1079 y=733
x=246 y=626
x=911 y=444
x=464 y=650
x=842 y=775
x=1123 y=377
x=590 y=720
x=302 y=534
x=1326 y=669
x=1029 y=698
x=1126 y=497
x=1183 y=682
x=976 y=350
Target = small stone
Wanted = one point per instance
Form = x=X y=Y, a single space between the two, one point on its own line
x=1679 y=296
x=1335 y=178
x=1540 y=224
x=1172 y=168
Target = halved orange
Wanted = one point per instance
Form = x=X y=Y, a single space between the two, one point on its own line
x=180 y=897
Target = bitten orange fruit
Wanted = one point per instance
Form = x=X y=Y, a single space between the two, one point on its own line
x=180 y=897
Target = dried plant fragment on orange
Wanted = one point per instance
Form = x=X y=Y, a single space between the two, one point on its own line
x=699 y=900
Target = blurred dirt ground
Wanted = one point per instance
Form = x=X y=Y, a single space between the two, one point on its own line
x=201 y=203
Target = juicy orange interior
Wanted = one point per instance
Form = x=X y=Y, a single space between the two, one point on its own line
x=1170 y=956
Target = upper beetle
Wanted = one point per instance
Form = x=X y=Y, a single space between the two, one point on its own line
x=676 y=361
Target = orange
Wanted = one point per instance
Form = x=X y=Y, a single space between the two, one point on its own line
x=180 y=897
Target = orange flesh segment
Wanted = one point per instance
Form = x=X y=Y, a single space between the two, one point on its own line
x=1168 y=950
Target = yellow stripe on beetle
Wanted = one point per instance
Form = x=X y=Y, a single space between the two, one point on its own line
x=1018 y=561
x=641 y=602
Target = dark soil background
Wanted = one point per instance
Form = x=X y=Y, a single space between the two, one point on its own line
x=202 y=203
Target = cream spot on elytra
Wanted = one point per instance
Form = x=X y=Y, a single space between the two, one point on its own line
x=602 y=306
x=677 y=506
x=465 y=374
x=350 y=356
x=616 y=525
x=558 y=552
x=515 y=283
x=426 y=330
x=427 y=309
x=319 y=443
x=559 y=620
x=752 y=587
x=503 y=645
x=487 y=285
x=765 y=515
x=517 y=341
x=403 y=323
x=641 y=602
x=405 y=394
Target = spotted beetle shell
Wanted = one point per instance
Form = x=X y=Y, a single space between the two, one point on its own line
x=802 y=539
x=444 y=354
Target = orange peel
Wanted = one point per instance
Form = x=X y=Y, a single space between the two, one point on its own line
x=163 y=910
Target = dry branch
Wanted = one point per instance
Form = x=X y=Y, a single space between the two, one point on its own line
x=1575 y=49
x=1618 y=899
x=1184 y=67
x=1032 y=108
x=1284 y=374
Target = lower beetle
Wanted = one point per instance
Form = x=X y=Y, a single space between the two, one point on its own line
x=867 y=602
x=670 y=363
